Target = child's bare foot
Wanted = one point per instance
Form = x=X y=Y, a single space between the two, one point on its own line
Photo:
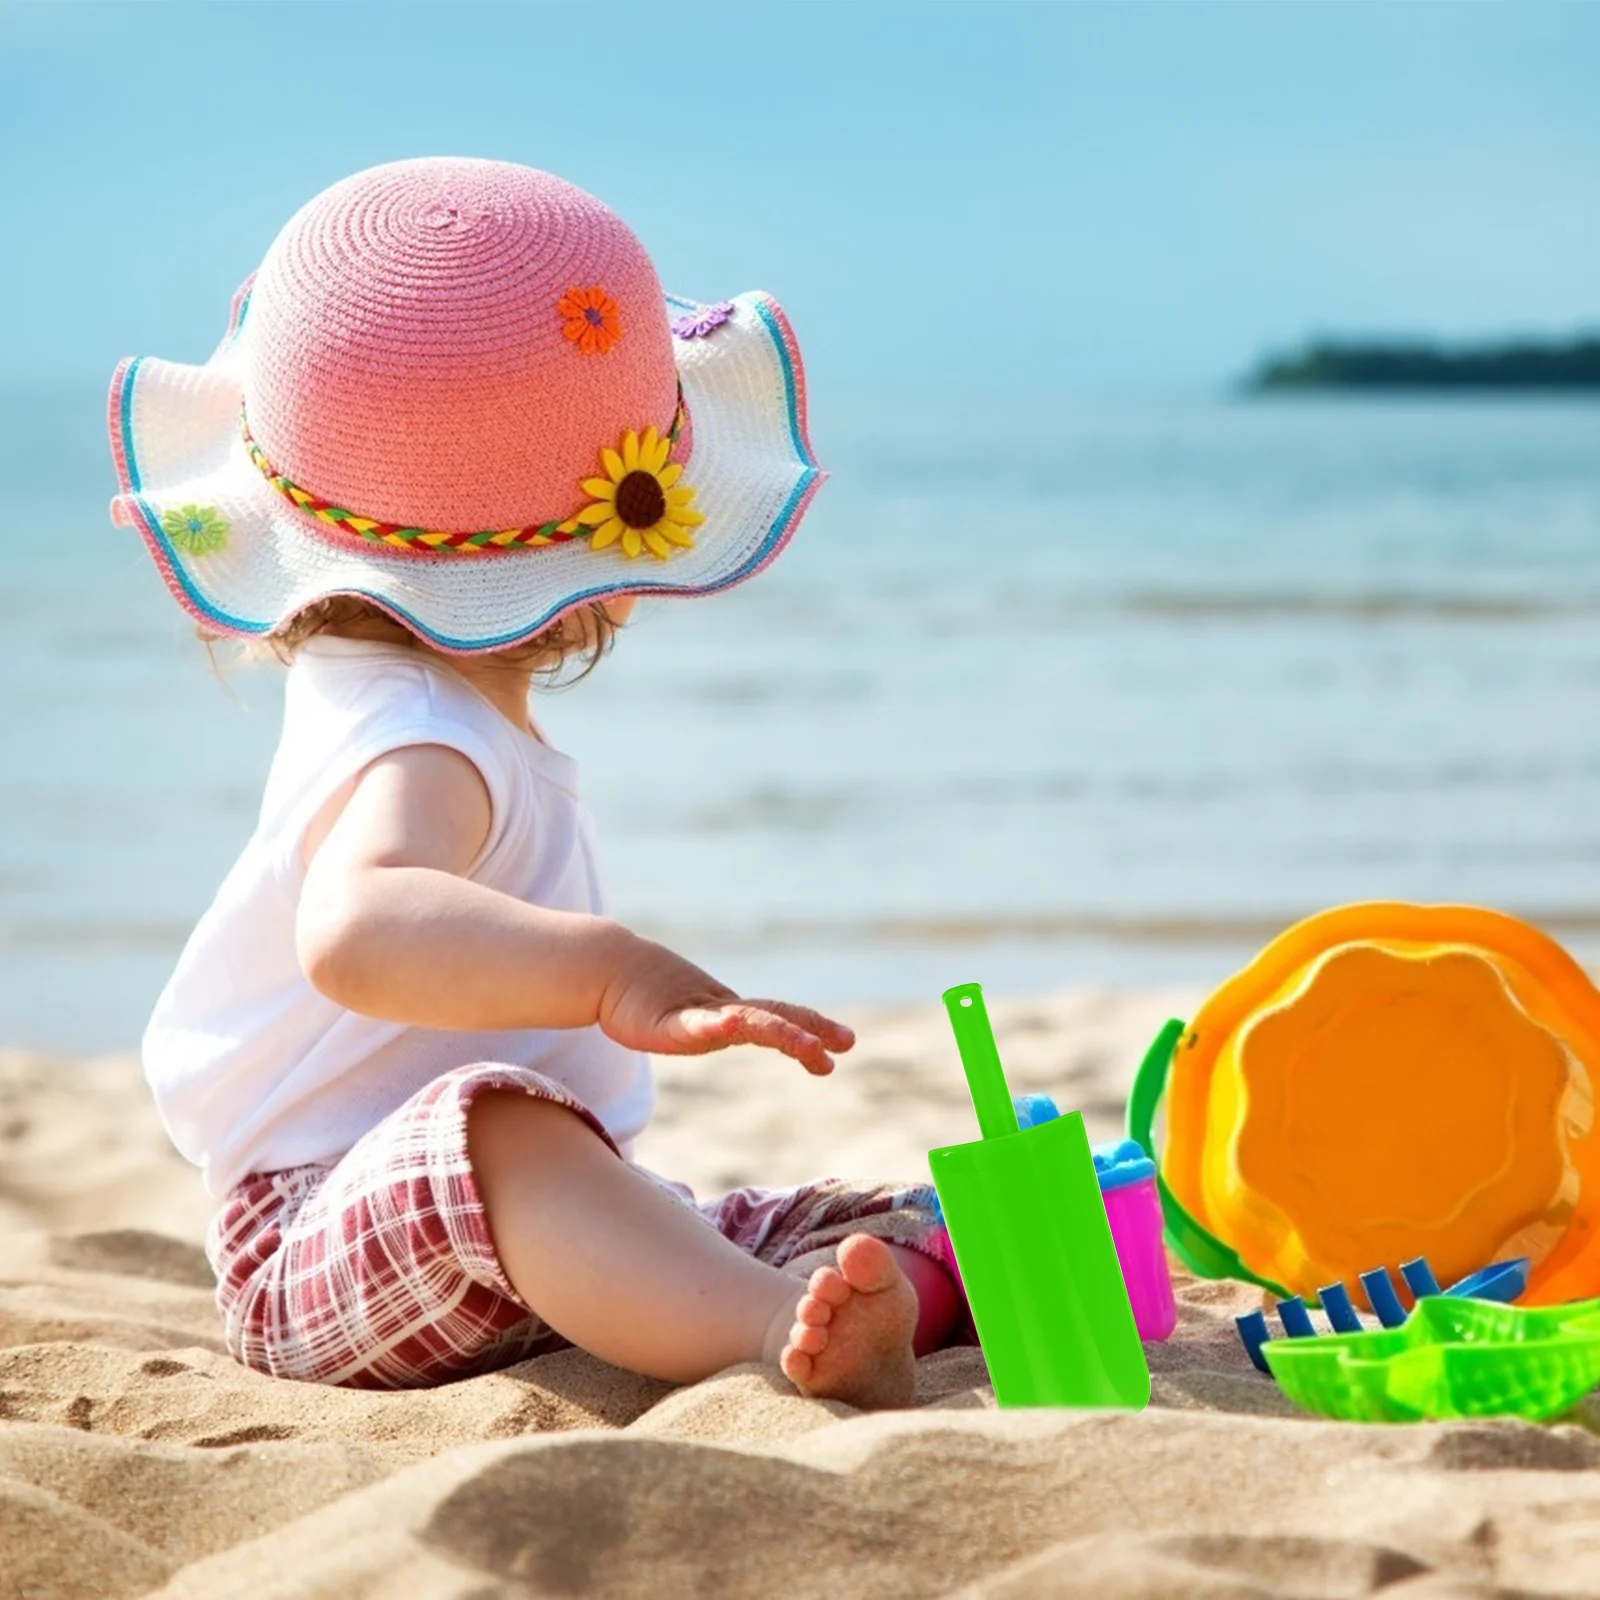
x=851 y=1338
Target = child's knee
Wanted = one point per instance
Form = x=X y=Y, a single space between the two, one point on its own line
x=506 y=1129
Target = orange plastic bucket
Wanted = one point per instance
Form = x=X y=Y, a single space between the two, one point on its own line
x=1386 y=1081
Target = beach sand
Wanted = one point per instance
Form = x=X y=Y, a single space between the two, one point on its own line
x=136 y=1458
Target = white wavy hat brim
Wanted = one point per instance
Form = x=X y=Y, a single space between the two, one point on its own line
x=178 y=443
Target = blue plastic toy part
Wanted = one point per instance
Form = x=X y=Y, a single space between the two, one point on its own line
x=1118 y=1165
x=1420 y=1279
x=1032 y=1109
x=1338 y=1310
x=1253 y=1334
x=1295 y=1318
x=1503 y=1282
x=1381 y=1297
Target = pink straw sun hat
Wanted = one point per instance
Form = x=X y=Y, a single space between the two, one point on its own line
x=456 y=389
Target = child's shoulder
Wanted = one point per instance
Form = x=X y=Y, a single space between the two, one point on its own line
x=349 y=702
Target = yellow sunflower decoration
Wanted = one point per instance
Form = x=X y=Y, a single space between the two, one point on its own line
x=640 y=500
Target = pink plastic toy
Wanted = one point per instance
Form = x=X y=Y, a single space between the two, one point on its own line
x=1128 y=1187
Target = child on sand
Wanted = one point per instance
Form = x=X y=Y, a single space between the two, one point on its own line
x=454 y=431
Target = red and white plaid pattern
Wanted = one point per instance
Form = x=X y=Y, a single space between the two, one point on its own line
x=379 y=1272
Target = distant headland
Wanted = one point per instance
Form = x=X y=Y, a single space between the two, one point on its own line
x=1523 y=366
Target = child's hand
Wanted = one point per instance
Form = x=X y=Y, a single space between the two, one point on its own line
x=666 y=1005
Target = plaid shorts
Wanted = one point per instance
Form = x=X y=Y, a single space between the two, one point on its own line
x=379 y=1271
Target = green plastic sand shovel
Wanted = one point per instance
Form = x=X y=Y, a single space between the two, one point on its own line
x=1031 y=1239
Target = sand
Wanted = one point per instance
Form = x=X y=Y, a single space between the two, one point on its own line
x=136 y=1458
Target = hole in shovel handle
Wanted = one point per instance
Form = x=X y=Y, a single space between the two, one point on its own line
x=980 y=1059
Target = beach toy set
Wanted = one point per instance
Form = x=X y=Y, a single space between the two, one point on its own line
x=1033 y=1244
x=1394 y=1084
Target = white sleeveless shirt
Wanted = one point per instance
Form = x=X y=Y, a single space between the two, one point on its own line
x=253 y=1069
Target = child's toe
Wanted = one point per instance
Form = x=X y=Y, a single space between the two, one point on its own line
x=816 y=1312
x=796 y=1366
x=866 y=1265
x=828 y=1284
x=812 y=1341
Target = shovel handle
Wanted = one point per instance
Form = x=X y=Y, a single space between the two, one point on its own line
x=980 y=1058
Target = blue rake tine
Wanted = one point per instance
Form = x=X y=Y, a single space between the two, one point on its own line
x=1336 y=1303
x=1295 y=1318
x=1253 y=1334
x=1385 y=1302
x=1419 y=1277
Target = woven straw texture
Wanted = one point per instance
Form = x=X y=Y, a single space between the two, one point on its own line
x=401 y=353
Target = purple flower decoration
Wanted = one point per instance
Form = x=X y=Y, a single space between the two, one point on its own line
x=697 y=324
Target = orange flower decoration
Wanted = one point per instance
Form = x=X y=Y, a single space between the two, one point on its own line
x=590 y=319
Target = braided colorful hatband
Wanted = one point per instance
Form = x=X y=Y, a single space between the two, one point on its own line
x=664 y=502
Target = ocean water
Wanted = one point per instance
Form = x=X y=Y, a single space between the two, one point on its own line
x=1043 y=693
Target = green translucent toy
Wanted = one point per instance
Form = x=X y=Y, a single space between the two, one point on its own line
x=1450 y=1358
x=1033 y=1244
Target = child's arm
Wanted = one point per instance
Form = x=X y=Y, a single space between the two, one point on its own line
x=388 y=927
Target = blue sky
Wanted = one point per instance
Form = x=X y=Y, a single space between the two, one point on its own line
x=1083 y=197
